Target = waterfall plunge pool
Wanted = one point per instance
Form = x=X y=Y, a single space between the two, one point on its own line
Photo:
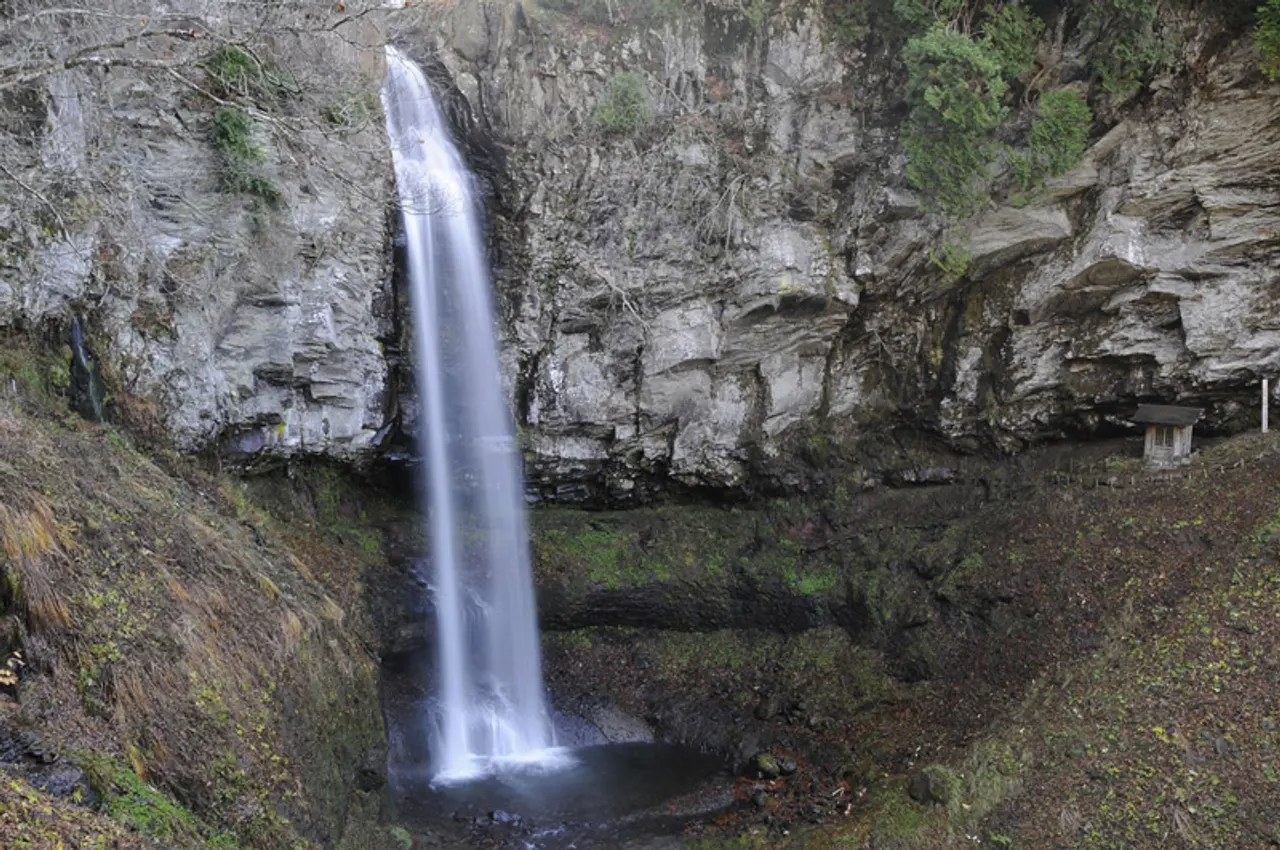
x=590 y=793
x=607 y=795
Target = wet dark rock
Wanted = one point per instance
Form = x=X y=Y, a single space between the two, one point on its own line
x=920 y=788
x=64 y=780
x=833 y=760
x=768 y=708
x=760 y=799
x=787 y=766
x=683 y=604
x=796 y=712
x=506 y=818
x=744 y=747
x=38 y=748
x=923 y=476
x=934 y=784
x=917 y=660
x=372 y=773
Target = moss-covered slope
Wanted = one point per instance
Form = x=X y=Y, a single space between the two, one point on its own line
x=194 y=665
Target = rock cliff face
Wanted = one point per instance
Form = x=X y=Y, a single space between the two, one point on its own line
x=732 y=293
x=245 y=314
x=734 y=297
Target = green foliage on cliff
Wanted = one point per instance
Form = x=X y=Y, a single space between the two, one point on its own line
x=1266 y=36
x=1128 y=44
x=925 y=12
x=625 y=107
x=1059 y=133
x=953 y=82
x=951 y=259
x=1010 y=34
x=954 y=87
x=231 y=134
x=848 y=23
x=236 y=72
x=958 y=72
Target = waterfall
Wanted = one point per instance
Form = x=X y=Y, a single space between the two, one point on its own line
x=490 y=705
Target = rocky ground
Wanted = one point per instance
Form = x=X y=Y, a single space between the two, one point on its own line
x=1093 y=665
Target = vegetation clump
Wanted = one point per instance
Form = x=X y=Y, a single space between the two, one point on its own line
x=625 y=108
x=850 y=23
x=238 y=73
x=231 y=134
x=1266 y=36
x=133 y=803
x=1059 y=136
x=954 y=86
x=1010 y=35
x=951 y=259
x=1128 y=44
x=961 y=65
x=959 y=69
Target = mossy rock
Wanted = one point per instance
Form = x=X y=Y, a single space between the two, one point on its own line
x=935 y=783
x=765 y=766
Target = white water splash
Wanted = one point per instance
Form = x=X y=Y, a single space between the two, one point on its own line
x=491 y=705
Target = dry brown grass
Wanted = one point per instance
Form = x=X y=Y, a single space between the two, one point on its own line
x=180 y=622
x=33 y=541
x=31 y=533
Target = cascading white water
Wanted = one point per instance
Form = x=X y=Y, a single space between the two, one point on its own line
x=491 y=705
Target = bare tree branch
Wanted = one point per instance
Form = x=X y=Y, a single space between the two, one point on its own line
x=39 y=196
x=26 y=72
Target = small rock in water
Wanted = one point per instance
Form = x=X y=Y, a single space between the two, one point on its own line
x=760 y=799
x=787 y=766
x=499 y=816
